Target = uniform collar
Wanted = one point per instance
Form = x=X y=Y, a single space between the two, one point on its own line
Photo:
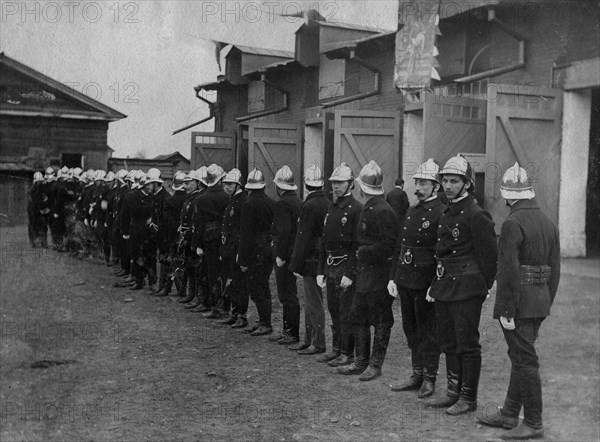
x=315 y=194
x=460 y=205
x=344 y=201
x=524 y=205
x=372 y=201
x=429 y=203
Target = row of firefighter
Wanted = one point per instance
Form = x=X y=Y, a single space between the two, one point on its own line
x=215 y=241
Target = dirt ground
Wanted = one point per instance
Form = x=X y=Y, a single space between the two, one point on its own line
x=144 y=368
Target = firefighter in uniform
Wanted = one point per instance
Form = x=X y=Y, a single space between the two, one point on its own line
x=187 y=260
x=153 y=240
x=337 y=264
x=37 y=208
x=171 y=218
x=528 y=277
x=235 y=282
x=117 y=239
x=372 y=305
x=413 y=268
x=466 y=253
x=305 y=261
x=285 y=221
x=60 y=199
x=210 y=208
x=254 y=253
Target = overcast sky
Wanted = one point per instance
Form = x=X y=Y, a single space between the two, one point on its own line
x=143 y=58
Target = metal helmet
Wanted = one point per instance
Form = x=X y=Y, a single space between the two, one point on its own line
x=65 y=170
x=256 y=180
x=90 y=174
x=83 y=178
x=233 y=176
x=214 y=174
x=516 y=184
x=110 y=177
x=191 y=175
x=38 y=177
x=178 y=180
x=100 y=175
x=77 y=172
x=342 y=173
x=202 y=174
x=313 y=176
x=50 y=171
x=370 y=179
x=130 y=176
x=121 y=175
x=284 y=179
x=138 y=176
x=458 y=165
x=428 y=171
x=153 y=176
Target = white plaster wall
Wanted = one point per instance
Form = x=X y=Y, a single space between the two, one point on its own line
x=574 y=172
x=412 y=151
x=313 y=146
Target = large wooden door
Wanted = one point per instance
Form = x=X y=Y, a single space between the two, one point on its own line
x=361 y=136
x=213 y=147
x=524 y=125
x=270 y=147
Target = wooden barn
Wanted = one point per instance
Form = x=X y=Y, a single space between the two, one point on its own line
x=168 y=164
x=45 y=123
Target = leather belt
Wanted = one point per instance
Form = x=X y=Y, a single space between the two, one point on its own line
x=534 y=275
x=463 y=265
x=417 y=256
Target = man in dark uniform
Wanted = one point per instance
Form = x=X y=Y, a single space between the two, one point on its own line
x=60 y=199
x=187 y=260
x=171 y=218
x=283 y=231
x=398 y=199
x=337 y=264
x=210 y=208
x=37 y=208
x=413 y=268
x=153 y=240
x=466 y=254
x=372 y=304
x=305 y=261
x=99 y=213
x=254 y=254
x=528 y=277
x=117 y=239
x=236 y=293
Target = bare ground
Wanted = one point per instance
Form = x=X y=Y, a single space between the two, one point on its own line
x=143 y=368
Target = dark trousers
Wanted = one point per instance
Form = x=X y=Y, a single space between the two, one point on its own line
x=257 y=280
x=57 y=230
x=214 y=278
x=314 y=313
x=374 y=309
x=338 y=303
x=418 y=323
x=236 y=291
x=525 y=385
x=134 y=245
x=287 y=292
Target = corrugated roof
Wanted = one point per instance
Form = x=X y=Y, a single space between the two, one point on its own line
x=264 y=51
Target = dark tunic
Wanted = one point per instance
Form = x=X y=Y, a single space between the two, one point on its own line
x=285 y=222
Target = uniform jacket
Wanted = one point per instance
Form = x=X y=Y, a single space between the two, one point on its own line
x=86 y=200
x=172 y=216
x=230 y=233
x=398 y=199
x=60 y=198
x=208 y=215
x=118 y=205
x=305 y=258
x=285 y=223
x=528 y=237
x=377 y=234
x=256 y=220
x=340 y=234
x=158 y=200
x=140 y=207
x=466 y=230
x=417 y=237
x=186 y=222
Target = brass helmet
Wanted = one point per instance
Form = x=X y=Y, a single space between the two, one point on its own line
x=77 y=172
x=38 y=177
x=233 y=176
x=64 y=170
x=130 y=176
x=100 y=175
x=110 y=177
x=516 y=184
x=91 y=174
x=313 y=176
x=342 y=173
x=121 y=175
x=178 y=180
x=191 y=175
x=370 y=179
x=202 y=175
x=458 y=165
x=138 y=177
x=49 y=171
x=214 y=174
x=256 y=180
x=284 y=179
x=153 y=176
x=428 y=171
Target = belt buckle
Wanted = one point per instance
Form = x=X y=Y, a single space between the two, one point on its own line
x=439 y=271
x=408 y=257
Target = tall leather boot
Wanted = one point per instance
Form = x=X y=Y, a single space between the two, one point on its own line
x=381 y=340
x=335 y=346
x=429 y=376
x=454 y=374
x=416 y=378
x=467 y=401
x=291 y=325
x=362 y=351
x=346 y=356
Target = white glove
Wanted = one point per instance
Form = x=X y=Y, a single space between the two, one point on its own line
x=507 y=323
x=125 y=236
x=95 y=224
x=427 y=297
x=86 y=222
x=104 y=205
x=297 y=275
x=345 y=282
x=199 y=251
x=280 y=262
x=392 y=288
x=321 y=281
x=55 y=215
x=243 y=269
